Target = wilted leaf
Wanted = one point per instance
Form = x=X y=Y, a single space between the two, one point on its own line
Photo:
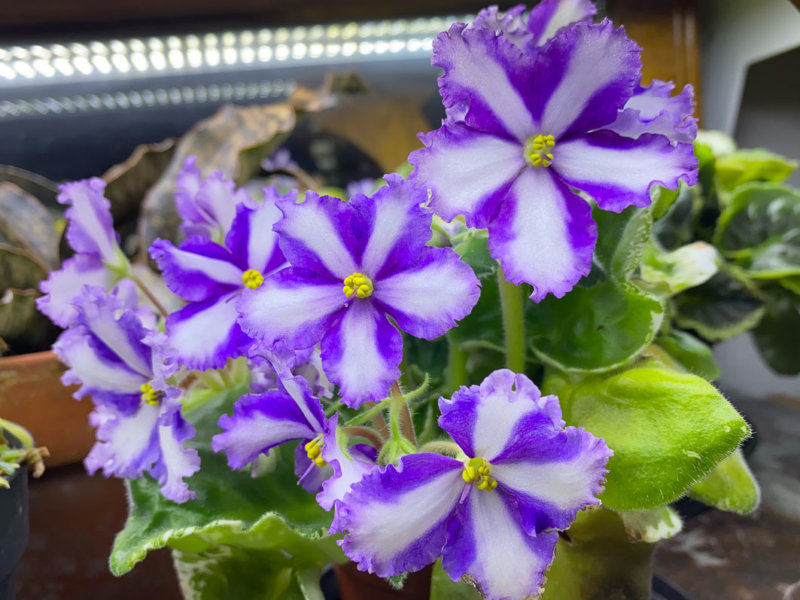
x=234 y=140
x=41 y=188
x=26 y=224
x=128 y=182
x=20 y=269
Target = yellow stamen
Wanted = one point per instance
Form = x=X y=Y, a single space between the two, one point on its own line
x=149 y=395
x=538 y=150
x=252 y=279
x=358 y=284
x=314 y=451
x=476 y=470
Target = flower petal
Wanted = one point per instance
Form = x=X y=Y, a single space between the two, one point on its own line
x=489 y=546
x=548 y=16
x=361 y=354
x=175 y=461
x=206 y=334
x=198 y=269
x=127 y=444
x=508 y=23
x=583 y=78
x=468 y=172
x=64 y=285
x=544 y=234
x=484 y=420
x=347 y=470
x=391 y=222
x=316 y=235
x=426 y=301
x=251 y=240
x=108 y=319
x=395 y=519
x=100 y=372
x=258 y=424
x=90 y=229
x=553 y=479
x=618 y=172
x=488 y=75
x=654 y=110
x=292 y=305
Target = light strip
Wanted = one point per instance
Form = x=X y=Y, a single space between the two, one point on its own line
x=229 y=50
x=168 y=96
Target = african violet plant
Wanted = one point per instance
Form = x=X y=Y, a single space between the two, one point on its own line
x=454 y=367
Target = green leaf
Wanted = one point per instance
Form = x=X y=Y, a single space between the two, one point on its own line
x=757 y=164
x=777 y=335
x=667 y=430
x=792 y=284
x=621 y=238
x=473 y=248
x=652 y=525
x=721 y=308
x=731 y=486
x=593 y=328
x=267 y=514
x=677 y=227
x=690 y=353
x=760 y=229
x=686 y=267
x=444 y=588
x=243 y=573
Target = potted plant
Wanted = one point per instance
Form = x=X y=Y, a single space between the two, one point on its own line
x=16 y=450
x=480 y=366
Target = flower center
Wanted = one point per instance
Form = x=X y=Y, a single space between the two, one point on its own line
x=252 y=279
x=314 y=451
x=538 y=150
x=358 y=284
x=149 y=395
x=476 y=470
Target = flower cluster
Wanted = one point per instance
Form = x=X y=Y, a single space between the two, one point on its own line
x=546 y=118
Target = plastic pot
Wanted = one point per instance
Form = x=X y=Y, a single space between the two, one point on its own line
x=13 y=526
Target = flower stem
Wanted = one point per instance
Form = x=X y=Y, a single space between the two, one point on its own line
x=456 y=366
x=140 y=284
x=511 y=303
x=366 y=433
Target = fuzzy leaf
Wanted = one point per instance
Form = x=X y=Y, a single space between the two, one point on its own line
x=756 y=164
x=761 y=230
x=721 y=308
x=652 y=525
x=668 y=430
x=690 y=353
x=593 y=328
x=731 y=486
x=676 y=228
x=267 y=514
x=686 y=267
x=444 y=588
x=621 y=238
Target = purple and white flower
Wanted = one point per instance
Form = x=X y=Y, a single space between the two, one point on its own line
x=98 y=260
x=123 y=365
x=261 y=422
x=353 y=264
x=210 y=276
x=207 y=206
x=525 y=130
x=492 y=514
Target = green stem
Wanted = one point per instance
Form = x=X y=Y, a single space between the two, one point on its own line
x=368 y=414
x=456 y=366
x=511 y=303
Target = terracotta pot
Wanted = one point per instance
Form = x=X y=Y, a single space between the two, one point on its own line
x=358 y=585
x=32 y=395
